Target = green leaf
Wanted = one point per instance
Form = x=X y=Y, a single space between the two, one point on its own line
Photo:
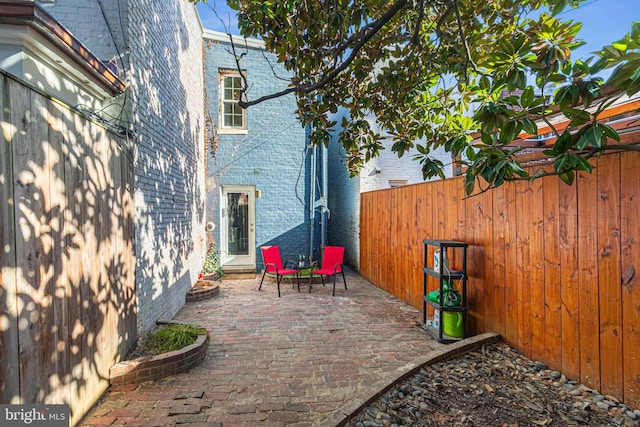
x=563 y=143
x=568 y=177
x=529 y=126
x=469 y=182
x=592 y=135
x=610 y=132
x=527 y=97
x=470 y=153
x=620 y=45
x=579 y=118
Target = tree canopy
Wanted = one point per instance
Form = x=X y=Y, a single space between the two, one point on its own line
x=470 y=76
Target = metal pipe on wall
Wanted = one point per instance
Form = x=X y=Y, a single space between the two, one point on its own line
x=325 y=194
x=312 y=201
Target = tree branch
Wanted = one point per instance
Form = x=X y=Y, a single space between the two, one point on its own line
x=416 y=35
x=366 y=36
x=463 y=38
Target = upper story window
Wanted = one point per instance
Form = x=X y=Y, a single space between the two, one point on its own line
x=233 y=119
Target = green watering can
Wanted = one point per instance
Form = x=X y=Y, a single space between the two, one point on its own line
x=452 y=324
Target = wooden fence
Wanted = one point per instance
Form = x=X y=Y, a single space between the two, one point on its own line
x=551 y=267
x=68 y=263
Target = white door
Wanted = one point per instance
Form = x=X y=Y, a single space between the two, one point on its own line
x=238 y=231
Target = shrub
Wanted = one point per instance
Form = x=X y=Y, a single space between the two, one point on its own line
x=212 y=260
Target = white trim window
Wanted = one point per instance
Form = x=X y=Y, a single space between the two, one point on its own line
x=233 y=118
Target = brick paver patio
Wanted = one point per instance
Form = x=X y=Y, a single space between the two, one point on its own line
x=272 y=361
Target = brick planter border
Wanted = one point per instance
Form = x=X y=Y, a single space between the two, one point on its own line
x=156 y=367
x=203 y=289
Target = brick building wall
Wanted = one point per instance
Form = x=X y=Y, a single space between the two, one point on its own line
x=271 y=156
x=344 y=204
x=161 y=44
x=165 y=41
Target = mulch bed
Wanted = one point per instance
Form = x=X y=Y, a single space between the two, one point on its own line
x=493 y=386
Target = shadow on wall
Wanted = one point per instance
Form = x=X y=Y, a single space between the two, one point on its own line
x=68 y=268
x=169 y=162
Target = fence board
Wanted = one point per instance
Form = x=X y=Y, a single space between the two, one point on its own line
x=75 y=244
x=365 y=244
x=485 y=240
x=392 y=246
x=366 y=216
x=588 y=277
x=9 y=361
x=497 y=297
x=442 y=217
x=523 y=262
x=608 y=176
x=413 y=283
x=381 y=234
x=630 y=230
x=569 y=292
x=423 y=228
x=552 y=283
x=62 y=365
x=30 y=253
x=405 y=242
x=450 y=193
x=535 y=217
x=431 y=228
x=510 y=254
x=475 y=265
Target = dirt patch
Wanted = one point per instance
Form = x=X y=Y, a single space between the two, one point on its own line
x=494 y=386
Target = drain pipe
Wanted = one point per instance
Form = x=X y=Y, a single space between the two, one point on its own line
x=312 y=201
x=325 y=193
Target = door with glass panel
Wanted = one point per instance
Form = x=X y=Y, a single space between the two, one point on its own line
x=237 y=231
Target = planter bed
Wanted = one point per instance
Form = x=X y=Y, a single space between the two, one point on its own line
x=152 y=368
x=203 y=289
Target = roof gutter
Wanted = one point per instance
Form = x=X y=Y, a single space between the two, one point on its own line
x=28 y=13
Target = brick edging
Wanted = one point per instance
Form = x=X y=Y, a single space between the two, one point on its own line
x=139 y=370
x=208 y=290
x=348 y=411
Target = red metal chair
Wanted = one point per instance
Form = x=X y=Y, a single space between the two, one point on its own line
x=332 y=259
x=273 y=265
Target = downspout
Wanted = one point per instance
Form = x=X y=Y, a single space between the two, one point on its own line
x=312 y=201
x=325 y=194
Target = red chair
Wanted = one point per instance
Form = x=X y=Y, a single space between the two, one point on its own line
x=273 y=265
x=332 y=259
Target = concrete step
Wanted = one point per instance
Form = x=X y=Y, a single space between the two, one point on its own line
x=238 y=275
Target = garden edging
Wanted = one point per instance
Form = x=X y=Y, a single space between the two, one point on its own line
x=203 y=289
x=153 y=368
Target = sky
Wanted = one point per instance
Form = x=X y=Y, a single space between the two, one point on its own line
x=604 y=21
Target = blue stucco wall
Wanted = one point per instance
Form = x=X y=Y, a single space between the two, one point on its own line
x=272 y=156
